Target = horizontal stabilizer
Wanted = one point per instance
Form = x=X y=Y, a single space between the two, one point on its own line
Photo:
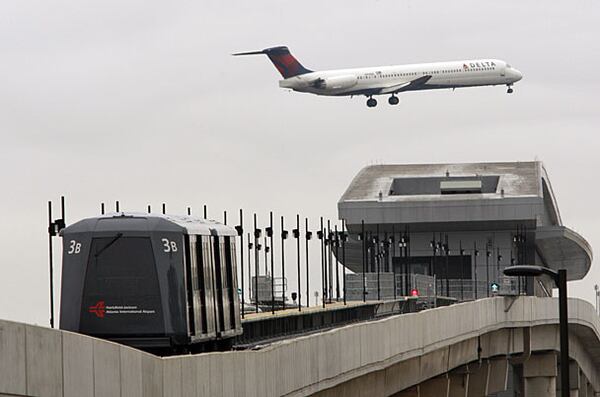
x=248 y=53
x=283 y=60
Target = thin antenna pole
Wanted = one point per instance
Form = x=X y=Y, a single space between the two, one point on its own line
x=329 y=262
x=344 y=255
x=298 y=261
x=267 y=249
x=189 y=211
x=337 y=264
x=377 y=263
x=62 y=210
x=164 y=208
x=249 y=268
x=307 y=278
x=102 y=208
x=241 y=233
x=117 y=206
x=475 y=266
x=256 y=259
x=225 y=217
x=51 y=262
x=205 y=216
x=393 y=244
x=149 y=209
x=323 y=270
x=283 y=281
x=364 y=282
x=272 y=265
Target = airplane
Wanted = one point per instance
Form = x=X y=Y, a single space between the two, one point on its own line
x=388 y=80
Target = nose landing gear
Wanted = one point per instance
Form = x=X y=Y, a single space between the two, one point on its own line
x=510 y=89
x=393 y=100
x=371 y=102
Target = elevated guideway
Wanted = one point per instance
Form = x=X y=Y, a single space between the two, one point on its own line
x=463 y=349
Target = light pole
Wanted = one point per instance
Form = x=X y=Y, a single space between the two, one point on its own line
x=240 y=232
x=308 y=237
x=597 y=289
x=560 y=279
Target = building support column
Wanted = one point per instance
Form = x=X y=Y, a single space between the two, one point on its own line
x=539 y=375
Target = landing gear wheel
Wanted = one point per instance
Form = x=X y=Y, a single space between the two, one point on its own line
x=393 y=100
x=371 y=102
x=510 y=90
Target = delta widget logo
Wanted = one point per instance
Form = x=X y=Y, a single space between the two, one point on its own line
x=99 y=309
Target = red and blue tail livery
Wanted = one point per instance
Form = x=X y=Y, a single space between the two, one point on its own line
x=283 y=60
x=389 y=80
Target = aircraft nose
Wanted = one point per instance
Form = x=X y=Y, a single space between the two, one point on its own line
x=517 y=75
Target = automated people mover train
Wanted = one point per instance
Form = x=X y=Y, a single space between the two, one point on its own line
x=151 y=281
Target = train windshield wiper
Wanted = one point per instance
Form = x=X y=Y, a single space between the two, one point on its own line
x=111 y=242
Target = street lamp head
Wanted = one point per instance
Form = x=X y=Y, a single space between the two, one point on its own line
x=530 y=271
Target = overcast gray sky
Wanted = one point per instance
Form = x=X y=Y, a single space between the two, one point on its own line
x=140 y=101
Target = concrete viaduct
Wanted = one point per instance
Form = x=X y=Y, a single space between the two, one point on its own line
x=460 y=350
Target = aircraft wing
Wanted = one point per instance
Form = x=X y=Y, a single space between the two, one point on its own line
x=407 y=86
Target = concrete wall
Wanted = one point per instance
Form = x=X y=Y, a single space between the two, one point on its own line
x=36 y=361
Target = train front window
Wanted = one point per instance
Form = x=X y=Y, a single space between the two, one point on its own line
x=121 y=291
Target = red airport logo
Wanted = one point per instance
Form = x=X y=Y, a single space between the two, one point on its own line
x=98 y=309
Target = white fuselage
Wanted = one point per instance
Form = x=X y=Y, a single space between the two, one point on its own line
x=392 y=79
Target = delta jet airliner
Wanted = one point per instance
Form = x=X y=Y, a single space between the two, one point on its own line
x=389 y=80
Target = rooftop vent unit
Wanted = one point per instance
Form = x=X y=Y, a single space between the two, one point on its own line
x=460 y=187
x=435 y=185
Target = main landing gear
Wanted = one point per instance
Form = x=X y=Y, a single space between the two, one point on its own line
x=393 y=100
x=371 y=102
x=510 y=89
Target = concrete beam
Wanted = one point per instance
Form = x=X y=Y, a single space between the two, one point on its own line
x=402 y=375
x=436 y=387
x=479 y=374
x=498 y=375
x=410 y=392
x=459 y=382
x=539 y=375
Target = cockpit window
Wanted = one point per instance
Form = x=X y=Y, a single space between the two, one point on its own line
x=508 y=65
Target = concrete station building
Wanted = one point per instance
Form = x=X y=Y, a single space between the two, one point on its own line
x=462 y=223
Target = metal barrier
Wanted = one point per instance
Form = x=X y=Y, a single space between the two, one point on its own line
x=380 y=286
x=469 y=290
x=265 y=292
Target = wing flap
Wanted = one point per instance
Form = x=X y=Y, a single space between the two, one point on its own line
x=393 y=89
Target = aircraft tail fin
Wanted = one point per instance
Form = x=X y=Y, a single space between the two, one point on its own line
x=283 y=60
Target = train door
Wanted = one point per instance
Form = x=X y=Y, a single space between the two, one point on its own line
x=225 y=282
x=190 y=280
x=198 y=284
x=210 y=296
x=234 y=311
x=218 y=277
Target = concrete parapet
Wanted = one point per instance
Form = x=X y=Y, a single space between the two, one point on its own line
x=78 y=365
x=13 y=373
x=386 y=356
x=44 y=362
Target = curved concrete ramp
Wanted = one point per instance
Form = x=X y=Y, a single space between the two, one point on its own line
x=379 y=358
